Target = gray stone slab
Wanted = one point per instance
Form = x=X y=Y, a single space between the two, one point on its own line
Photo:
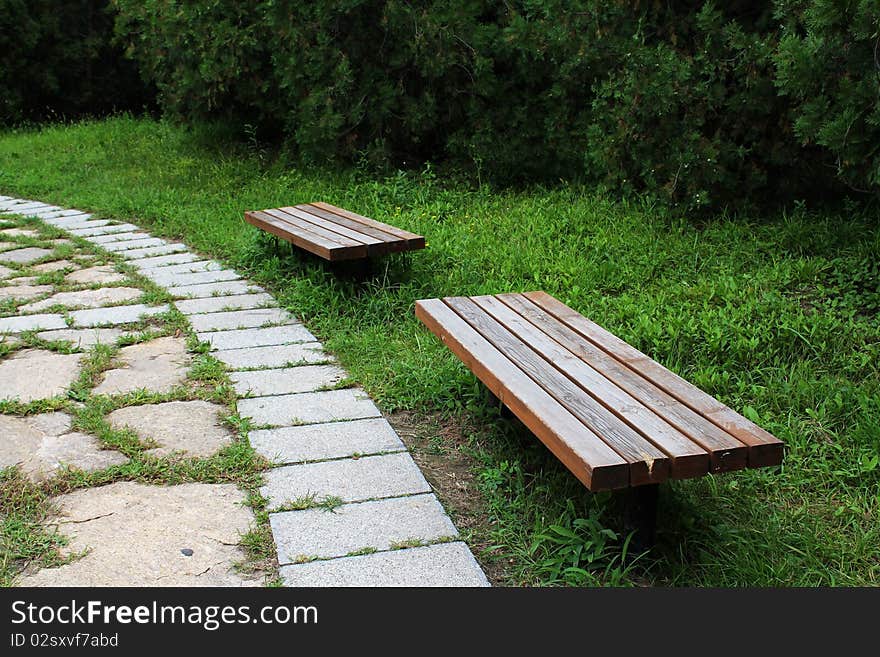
x=223 y=288
x=220 y=304
x=351 y=480
x=18 y=232
x=307 y=353
x=25 y=209
x=439 y=565
x=33 y=374
x=61 y=213
x=239 y=319
x=165 y=260
x=67 y=221
x=54 y=265
x=41 y=213
x=166 y=249
x=257 y=337
x=379 y=524
x=23 y=292
x=5 y=271
x=194 y=429
x=99 y=274
x=286 y=380
x=133 y=534
x=113 y=316
x=196 y=266
x=105 y=296
x=102 y=230
x=140 y=244
x=315 y=442
x=118 y=237
x=156 y=366
x=24 y=256
x=83 y=338
x=176 y=279
x=309 y=407
x=43 y=444
x=31 y=322
x=84 y=222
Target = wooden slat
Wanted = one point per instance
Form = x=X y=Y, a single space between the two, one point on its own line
x=340 y=240
x=595 y=464
x=688 y=459
x=726 y=452
x=303 y=238
x=332 y=226
x=647 y=463
x=394 y=242
x=413 y=241
x=764 y=448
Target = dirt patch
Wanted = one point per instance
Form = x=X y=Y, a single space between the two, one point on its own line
x=438 y=446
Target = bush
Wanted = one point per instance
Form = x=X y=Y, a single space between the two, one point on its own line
x=700 y=104
x=828 y=65
x=57 y=59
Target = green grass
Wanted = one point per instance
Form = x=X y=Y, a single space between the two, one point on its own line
x=776 y=315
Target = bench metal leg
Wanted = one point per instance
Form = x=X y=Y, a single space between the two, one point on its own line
x=640 y=516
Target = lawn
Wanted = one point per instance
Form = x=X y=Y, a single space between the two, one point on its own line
x=776 y=315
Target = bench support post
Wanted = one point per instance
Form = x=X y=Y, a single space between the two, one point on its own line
x=640 y=516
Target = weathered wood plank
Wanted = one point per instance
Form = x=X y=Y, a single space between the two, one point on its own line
x=595 y=464
x=764 y=448
x=413 y=241
x=303 y=238
x=688 y=459
x=647 y=463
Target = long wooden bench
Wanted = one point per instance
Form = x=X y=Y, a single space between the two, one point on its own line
x=333 y=233
x=612 y=415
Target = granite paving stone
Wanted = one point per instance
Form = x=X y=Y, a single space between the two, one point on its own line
x=204 y=434
x=239 y=319
x=315 y=442
x=105 y=296
x=31 y=323
x=155 y=366
x=141 y=244
x=102 y=274
x=19 y=232
x=117 y=236
x=192 y=267
x=5 y=271
x=439 y=565
x=217 y=304
x=307 y=353
x=222 y=288
x=24 y=256
x=133 y=534
x=43 y=444
x=178 y=279
x=83 y=338
x=286 y=380
x=351 y=480
x=72 y=219
x=378 y=524
x=23 y=292
x=308 y=407
x=19 y=379
x=55 y=265
x=165 y=249
x=257 y=337
x=113 y=316
x=165 y=260
x=107 y=229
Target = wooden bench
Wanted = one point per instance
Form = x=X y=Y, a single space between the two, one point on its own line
x=333 y=233
x=612 y=415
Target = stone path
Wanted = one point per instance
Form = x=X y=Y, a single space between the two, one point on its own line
x=348 y=505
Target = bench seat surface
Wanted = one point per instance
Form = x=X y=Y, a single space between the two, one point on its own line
x=333 y=233
x=611 y=414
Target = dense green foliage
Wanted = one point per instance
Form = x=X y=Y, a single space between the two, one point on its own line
x=700 y=103
x=777 y=315
x=58 y=60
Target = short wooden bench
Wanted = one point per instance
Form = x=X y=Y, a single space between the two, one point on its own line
x=612 y=415
x=333 y=233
